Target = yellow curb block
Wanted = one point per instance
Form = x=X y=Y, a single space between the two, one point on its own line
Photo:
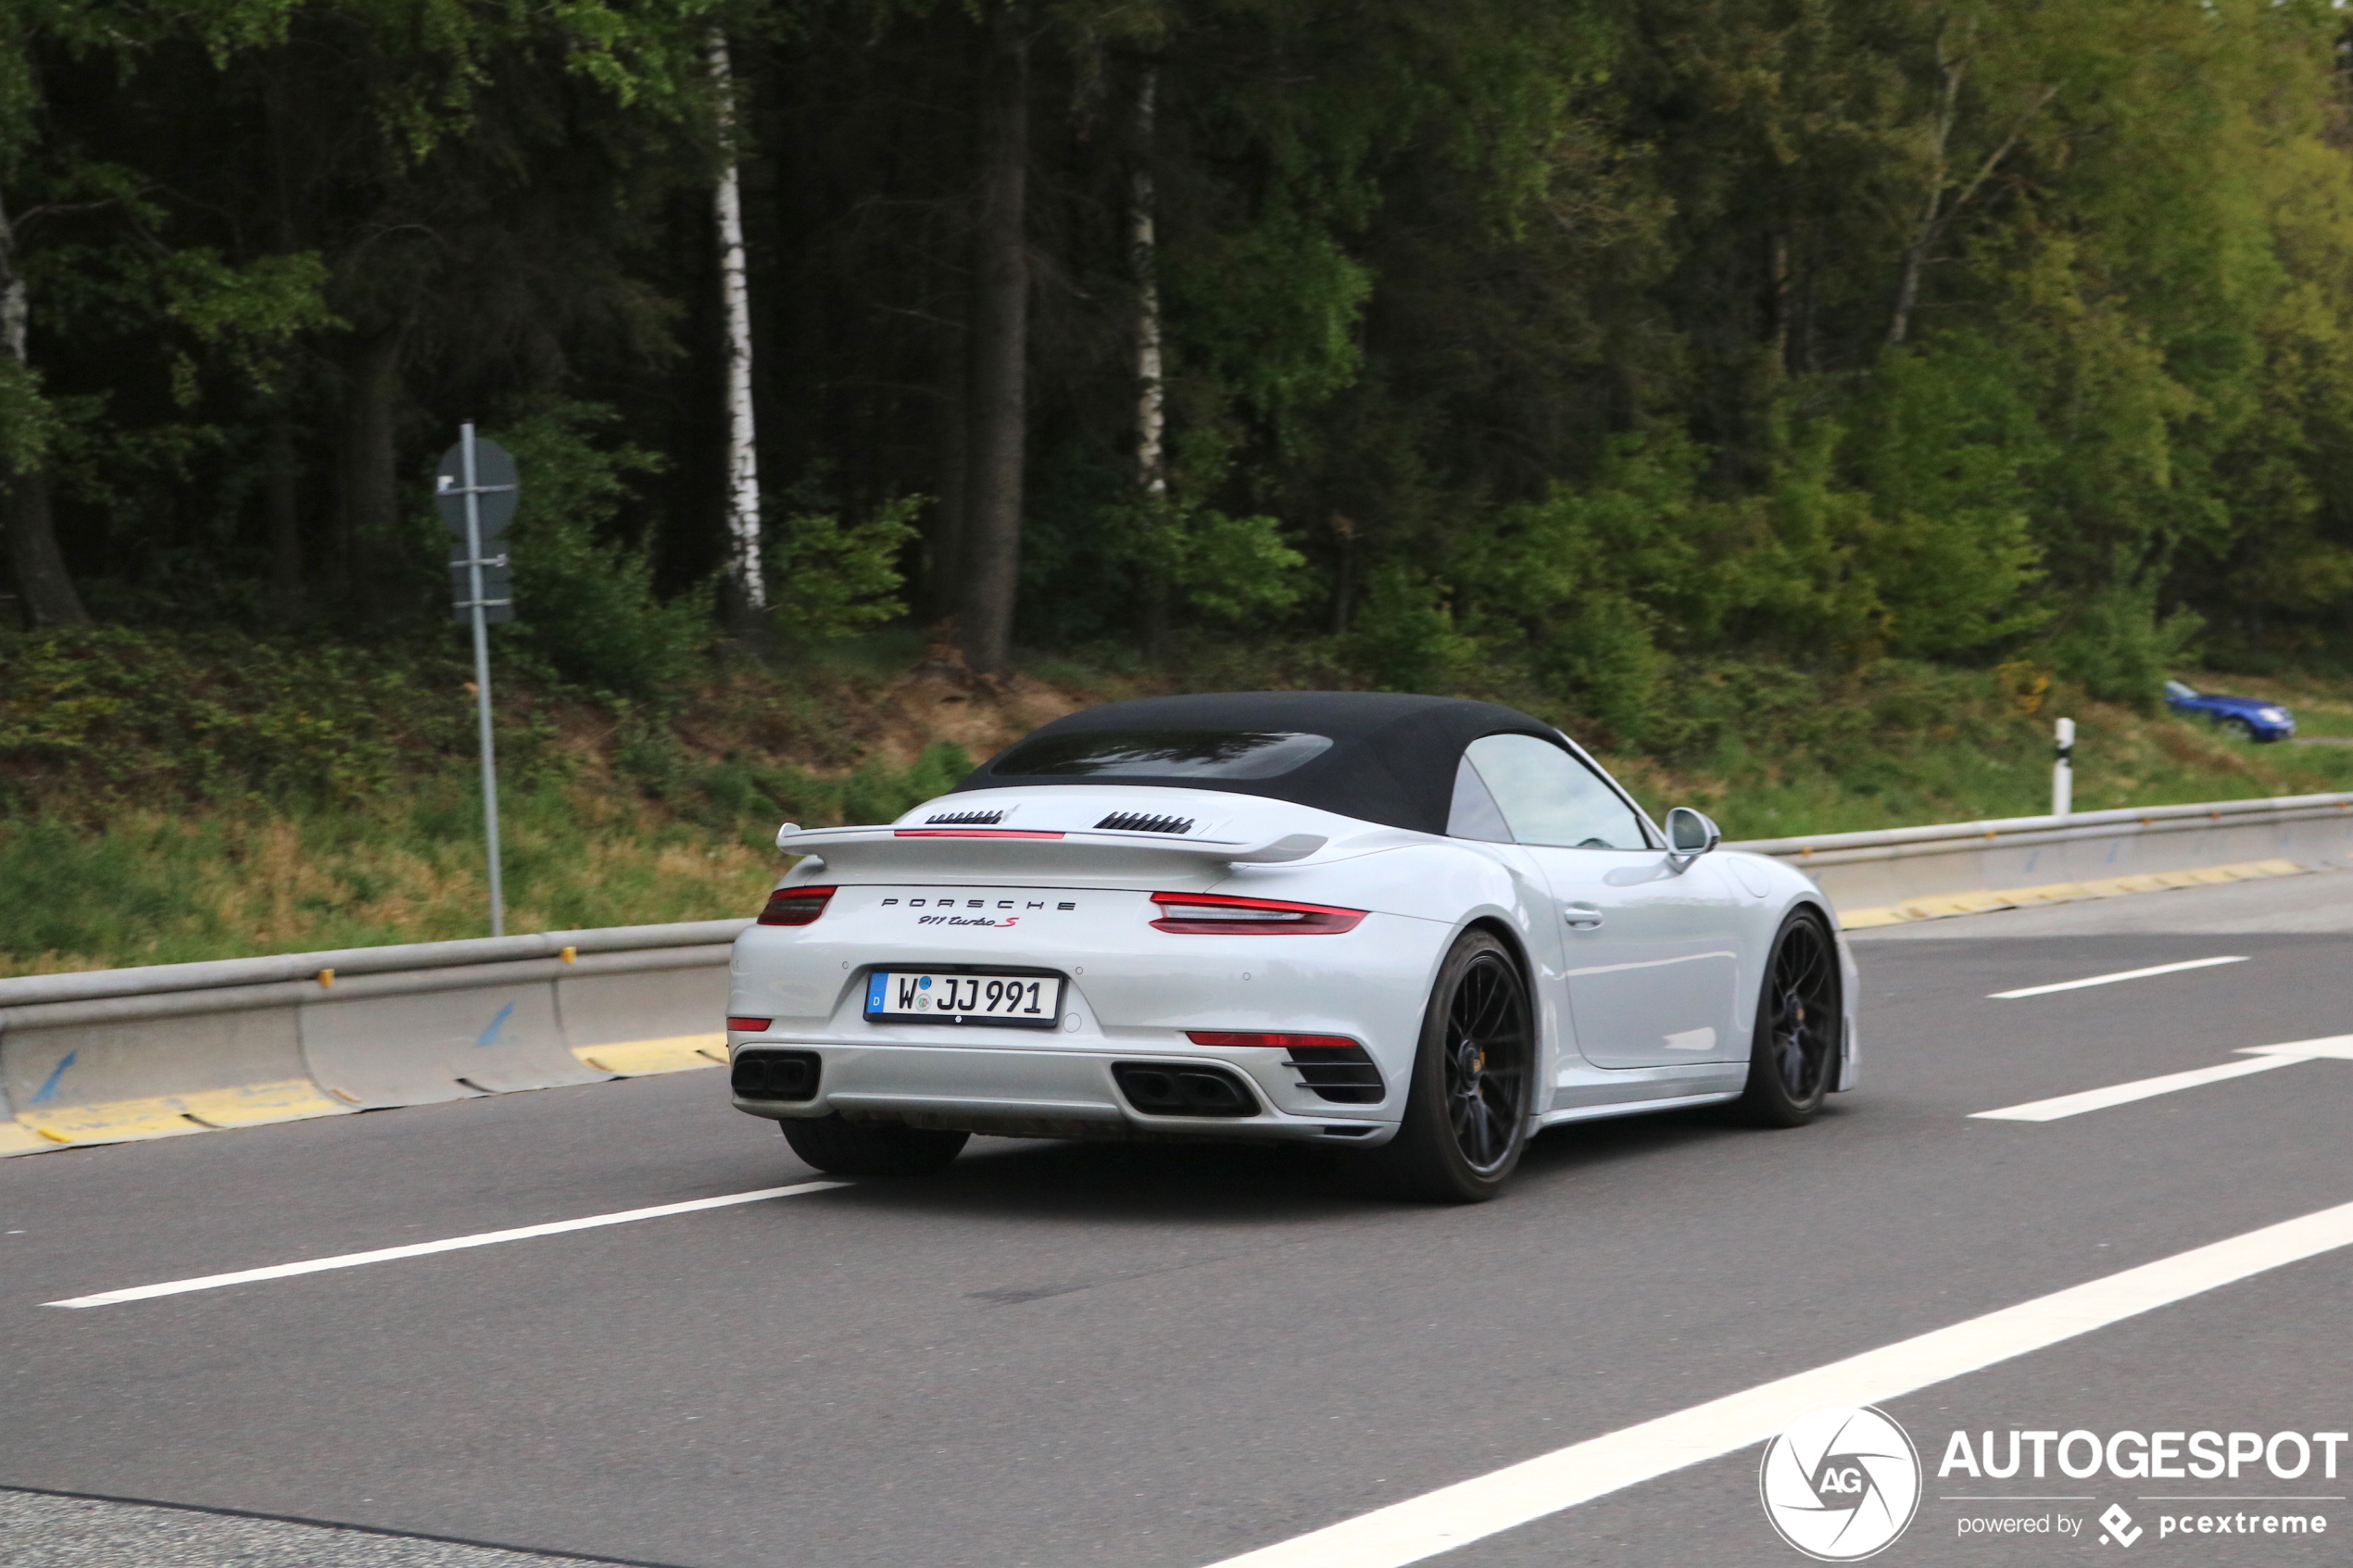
x=166 y=1116
x=258 y=1105
x=18 y=1138
x=1943 y=906
x=638 y=1059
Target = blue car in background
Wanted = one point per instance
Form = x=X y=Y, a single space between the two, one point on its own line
x=2249 y=717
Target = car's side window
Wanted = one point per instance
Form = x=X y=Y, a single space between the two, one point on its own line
x=1475 y=813
x=1548 y=797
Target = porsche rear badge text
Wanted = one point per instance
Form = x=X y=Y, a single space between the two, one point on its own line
x=949 y=901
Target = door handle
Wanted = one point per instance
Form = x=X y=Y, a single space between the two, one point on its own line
x=1580 y=916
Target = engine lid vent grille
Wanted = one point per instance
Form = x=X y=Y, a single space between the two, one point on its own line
x=1140 y=821
x=964 y=819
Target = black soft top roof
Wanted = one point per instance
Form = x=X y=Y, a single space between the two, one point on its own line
x=1392 y=758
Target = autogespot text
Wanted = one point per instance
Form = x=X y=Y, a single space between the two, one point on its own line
x=2155 y=1456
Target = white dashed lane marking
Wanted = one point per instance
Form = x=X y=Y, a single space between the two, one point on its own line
x=2338 y=1047
x=2110 y=978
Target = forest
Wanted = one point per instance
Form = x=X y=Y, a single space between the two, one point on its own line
x=1768 y=390
x=1575 y=337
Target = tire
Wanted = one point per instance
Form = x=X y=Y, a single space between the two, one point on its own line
x=2241 y=729
x=1466 y=1119
x=1794 y=1050
x=843 y=1149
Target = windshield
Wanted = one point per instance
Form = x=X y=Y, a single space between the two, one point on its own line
x=2175 y=688
x=1161 y=753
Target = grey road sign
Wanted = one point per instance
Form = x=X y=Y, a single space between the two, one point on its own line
x=494 y=481
x=498 y=587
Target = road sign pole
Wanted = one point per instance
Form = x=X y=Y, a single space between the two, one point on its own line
x=482 y=680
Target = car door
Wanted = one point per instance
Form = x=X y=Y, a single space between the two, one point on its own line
x=1652 y=946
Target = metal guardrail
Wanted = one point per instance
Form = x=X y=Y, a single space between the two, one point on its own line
x=1894 y=874
x=1888 y=843
x=147 y=980
x=107 y=1055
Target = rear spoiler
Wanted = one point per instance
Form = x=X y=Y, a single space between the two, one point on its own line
x=1005 y=848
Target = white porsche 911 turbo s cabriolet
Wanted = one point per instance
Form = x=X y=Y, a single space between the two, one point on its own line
x=1416 y=929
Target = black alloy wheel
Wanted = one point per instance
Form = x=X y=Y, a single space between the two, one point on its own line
x=1465 y=1118
x=1795 y=1056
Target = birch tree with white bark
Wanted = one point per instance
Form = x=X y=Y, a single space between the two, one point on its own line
x=751 y=588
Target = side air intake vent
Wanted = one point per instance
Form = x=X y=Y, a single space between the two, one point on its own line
x=1138 y=822
x=1342 y=1073
x=964 y=820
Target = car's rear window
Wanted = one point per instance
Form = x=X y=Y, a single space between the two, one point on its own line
x=1161 y=753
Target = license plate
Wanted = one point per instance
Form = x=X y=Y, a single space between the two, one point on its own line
x=897 y=995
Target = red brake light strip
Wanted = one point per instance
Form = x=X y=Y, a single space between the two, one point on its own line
x=970 y=832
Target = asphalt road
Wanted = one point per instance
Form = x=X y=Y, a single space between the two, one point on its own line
x=1160 y=1358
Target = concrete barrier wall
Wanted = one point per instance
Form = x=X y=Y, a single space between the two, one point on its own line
x=134 y=1053
x=622 y=1012
x=415 y=1039
x=115 y=1055
x=142 y=1067
x=1871 y=877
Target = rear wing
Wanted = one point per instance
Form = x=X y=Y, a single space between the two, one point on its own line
x=1006 y=849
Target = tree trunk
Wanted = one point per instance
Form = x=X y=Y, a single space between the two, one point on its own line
x=748 y=581
x=33 y=556
x=1936 y=213
x=1932 y=218
x=369 y=505
x=281 y=480
x=1344 y=586
x=1152 y=466
x=40 y=568
x=1151 y=408
x=281 y=515
x=944 y=585
x=991 y=553
x=1777 y=272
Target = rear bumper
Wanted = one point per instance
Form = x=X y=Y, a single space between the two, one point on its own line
x=1060 y=1093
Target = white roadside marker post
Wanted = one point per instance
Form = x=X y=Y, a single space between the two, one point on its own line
x=2063 y=770
x=476 y=492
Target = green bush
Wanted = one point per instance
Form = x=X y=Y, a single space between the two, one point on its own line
x=585 y=610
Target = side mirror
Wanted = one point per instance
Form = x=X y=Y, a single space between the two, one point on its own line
x=1690 y=835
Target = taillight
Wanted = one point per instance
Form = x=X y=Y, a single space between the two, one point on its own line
x=748 y=1025
x=1279 y=1042
x=1197 y=914
x=794 y=906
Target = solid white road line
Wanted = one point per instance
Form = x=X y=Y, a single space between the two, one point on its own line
x=1469 y=1510
x=2110 y=978
x=420 y=1249
x=2333 y=1047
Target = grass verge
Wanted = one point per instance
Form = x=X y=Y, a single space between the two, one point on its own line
x=168 y=798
